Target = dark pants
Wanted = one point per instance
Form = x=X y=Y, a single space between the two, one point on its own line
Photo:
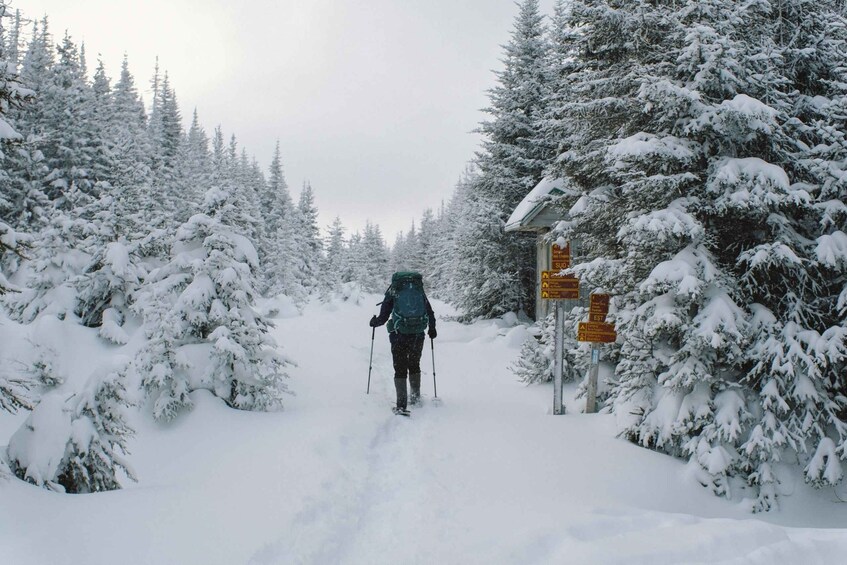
x=406 y=352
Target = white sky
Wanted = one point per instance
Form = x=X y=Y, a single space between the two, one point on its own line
x=372 y=101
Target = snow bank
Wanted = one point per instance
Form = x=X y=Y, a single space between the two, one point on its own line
x=280 y=306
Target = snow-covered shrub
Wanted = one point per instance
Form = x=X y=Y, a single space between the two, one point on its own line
x=205 y=295
x=106 y=289
x=55 y=260
x=537 y=357
x=44 y=367
x=76 y=443
x=13 y=246
x=14 y=393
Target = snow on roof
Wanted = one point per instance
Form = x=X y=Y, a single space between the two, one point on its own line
x=534 y=202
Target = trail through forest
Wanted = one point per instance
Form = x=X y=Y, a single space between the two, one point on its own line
x=488 y=476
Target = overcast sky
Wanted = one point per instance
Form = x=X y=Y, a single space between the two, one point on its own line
x=372 y=101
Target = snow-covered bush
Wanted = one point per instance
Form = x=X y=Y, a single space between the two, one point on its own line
x=43 y=368
x=76 y=443
x=537 y=357
x=13 y=246
x=205 y=295
x=55 y=260
x=14 y=393
x=106 y=289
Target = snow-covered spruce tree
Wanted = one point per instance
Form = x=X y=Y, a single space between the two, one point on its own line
x=57 y=257
x=13 y=95
x=445 y=268
x=427 y=236
x=206 y=294
x=77 y=444
x=165 y=368
x=107 y=287
x=15 y=205
x=132 y=175
x=562 y=61
x=310 y=244
x=537 y=358
x=695 y=215
x=69 y=151
x=640 y=161
x=335 y=256
x=99 y=127
x=23 y=202
x=404 y=255
x=374 y=257
x=13 y=390
x=276 y=244
x=31 y=119
x=795 y=273
x=498 y=274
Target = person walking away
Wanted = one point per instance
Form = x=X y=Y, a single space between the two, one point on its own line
x=408 y=313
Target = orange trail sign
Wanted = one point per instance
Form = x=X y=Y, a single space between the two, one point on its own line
x=598 y=332
x=560 y=258
x=554 y=287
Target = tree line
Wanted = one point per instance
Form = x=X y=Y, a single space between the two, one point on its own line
x=701 y=146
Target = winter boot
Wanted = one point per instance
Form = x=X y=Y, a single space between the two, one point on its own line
x=415 y=383
x=400 y=385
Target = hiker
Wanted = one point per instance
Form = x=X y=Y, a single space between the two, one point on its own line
x=411 y=314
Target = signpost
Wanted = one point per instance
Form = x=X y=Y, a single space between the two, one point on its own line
x=558 y=288
x=596 y=331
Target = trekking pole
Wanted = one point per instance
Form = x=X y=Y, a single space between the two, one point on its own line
x=371 y=362
x=434 y=387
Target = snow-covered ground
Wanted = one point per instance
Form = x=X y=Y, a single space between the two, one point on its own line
x=487 y=476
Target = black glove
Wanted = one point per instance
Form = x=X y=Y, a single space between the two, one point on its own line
x=374 y=322
x=432 y=333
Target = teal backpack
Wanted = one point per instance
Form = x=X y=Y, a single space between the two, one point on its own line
x=409 y=314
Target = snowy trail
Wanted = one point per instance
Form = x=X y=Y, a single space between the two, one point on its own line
x=488 y=476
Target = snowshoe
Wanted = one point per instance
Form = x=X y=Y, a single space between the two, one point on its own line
x=401 y=411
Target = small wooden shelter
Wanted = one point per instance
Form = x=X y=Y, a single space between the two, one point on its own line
x=536 y=214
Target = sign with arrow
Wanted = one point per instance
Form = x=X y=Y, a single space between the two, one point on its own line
x=554 y=287
x=598 y=332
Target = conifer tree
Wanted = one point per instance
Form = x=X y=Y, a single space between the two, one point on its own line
x=696 y=208
x=333 y=269
x=13 y=391
x=82 y=437
x=498 y=273
x=310 y=243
